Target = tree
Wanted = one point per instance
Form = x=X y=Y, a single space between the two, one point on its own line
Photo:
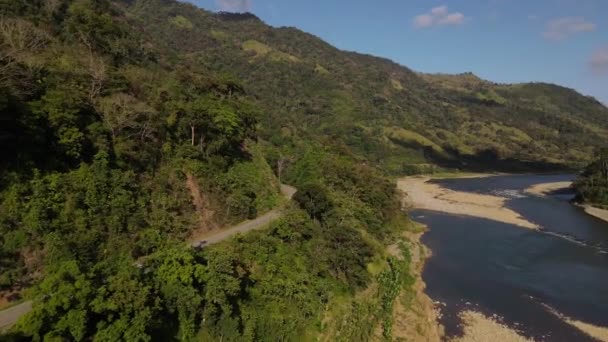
x=223 y=285
x=62 y=305
x=19 y=41
x=313 y=198
x=122 y=112
x=282 y=162
x=65 y=110
x=592 y=184
x=602 y=160
x=124 y=307
x=349 y=255
x=180 y=280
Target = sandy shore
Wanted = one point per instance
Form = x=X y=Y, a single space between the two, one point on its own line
x=421 y=194
x=602 y=214
x=479 y=328
x=545 y=189
x=597 y=332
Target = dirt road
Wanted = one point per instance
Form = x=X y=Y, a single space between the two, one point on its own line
x=249 y=225
x=10 y=316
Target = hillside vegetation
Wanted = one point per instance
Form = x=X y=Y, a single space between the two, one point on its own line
x=592 y=184
x=308 y=89
x=126 y=126
x=116 y=148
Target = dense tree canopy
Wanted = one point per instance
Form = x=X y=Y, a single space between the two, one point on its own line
x=592 y=184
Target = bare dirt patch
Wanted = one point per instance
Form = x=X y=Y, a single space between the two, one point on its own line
x=7 y=298
x=204 y=213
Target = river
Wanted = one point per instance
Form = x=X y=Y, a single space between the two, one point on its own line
x=513 y=273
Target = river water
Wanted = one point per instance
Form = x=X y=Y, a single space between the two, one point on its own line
x=514 y=273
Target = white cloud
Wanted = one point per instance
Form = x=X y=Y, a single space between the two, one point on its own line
x=438 y=16
x=440 y=11
x=234 y=5
x=423 y=20
x=452 y=19
x=599 y=60
x=560 y=28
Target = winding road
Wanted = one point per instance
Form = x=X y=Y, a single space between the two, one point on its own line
x=246 y=226
x=11 y=315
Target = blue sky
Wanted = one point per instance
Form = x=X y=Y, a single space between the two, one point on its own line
x=557 y=41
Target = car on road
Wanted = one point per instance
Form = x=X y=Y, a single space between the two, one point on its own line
x=199 y=244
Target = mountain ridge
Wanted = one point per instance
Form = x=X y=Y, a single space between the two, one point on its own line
x=376 y=91
x=253 y=16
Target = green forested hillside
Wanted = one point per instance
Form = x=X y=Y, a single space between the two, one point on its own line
x=116 y=147
x=125 y=126
x=370 y=106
